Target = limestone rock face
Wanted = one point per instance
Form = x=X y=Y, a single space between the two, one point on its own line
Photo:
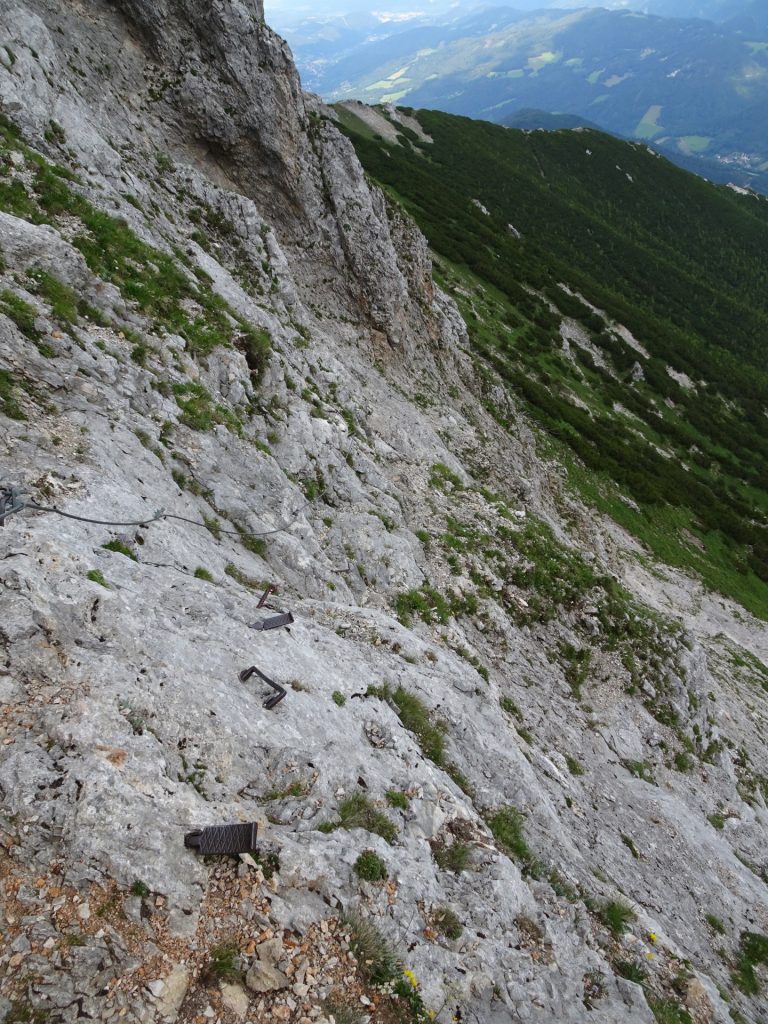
x=217 y=336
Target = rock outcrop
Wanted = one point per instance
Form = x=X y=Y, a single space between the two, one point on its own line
x=214 y=329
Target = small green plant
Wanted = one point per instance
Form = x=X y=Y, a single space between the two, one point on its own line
x=616 y=915
x=120 y=548
x=256 y=545
x=683 y=761
x=444 y=920
x=395 y=798
x=338 y=698
x=139 y=888
x=444 y=479
x=415 y=716
x=163 y=162
x=370 y=867
x=506 y=825
x=54 y=133
x=96 y=576
x=242 y=578
x=8 y=403
x=631 y=971
x=716 y=821
x=575 y=767
x=753 y=950
x=715 y=923
x=74 y=939
x=357 y=811
x=213 y=525
x=376 y=958
x=22 y=314
x=669 y=1011
x=295 y=789
x=454 y=858
x=640 y=769
x=203 y=574
x=508 y=705
x=224 y=962
x=630 y=845
x=425 y=602
x=22 y=1012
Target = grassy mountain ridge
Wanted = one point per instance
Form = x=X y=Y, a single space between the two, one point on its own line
x=663 y=427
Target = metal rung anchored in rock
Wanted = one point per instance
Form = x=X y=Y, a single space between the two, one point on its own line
x=223 y=838
x=276 y=697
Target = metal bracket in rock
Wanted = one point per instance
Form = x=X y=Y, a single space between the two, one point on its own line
x=223 y=838
x=276 y=697
x=274 y=622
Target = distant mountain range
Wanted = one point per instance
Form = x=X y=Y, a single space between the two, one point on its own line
x=695 y=89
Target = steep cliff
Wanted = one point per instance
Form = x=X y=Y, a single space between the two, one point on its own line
x=209 y=319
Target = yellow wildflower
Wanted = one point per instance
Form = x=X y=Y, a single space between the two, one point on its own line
x=651 y=936
x=649 y=955
x=411 y=977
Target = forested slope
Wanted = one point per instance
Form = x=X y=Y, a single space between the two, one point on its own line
x=675 y=419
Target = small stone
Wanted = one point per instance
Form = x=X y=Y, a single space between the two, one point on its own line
x=235 y=998
x=270 y=952
x=156 y=987
x=84 y=912
x=281 y=1013
x=263 y=977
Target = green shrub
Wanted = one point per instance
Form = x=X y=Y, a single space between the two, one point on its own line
x=454 y=858
x=96 y=576
x=630 y=845
x=715 y=923
x=338 y=698
x=631 y=971
x=506 y=826
x=8 y=404
x=415 y=716
x=442 y=478
x=213 y=526
x=377 y=960
x=616 y=915
x=242 y=578
x=397 y=799
x=120 y=549
x=370 y=867
x=256 y=545
x=22 y=314
x=140 y=889
x=668 y=1011
x=683 y=761
x=222 y=963
x=425 y=602
x=716 y=821
x=357 y=811
x=203 y=574
x=446 y=922
x=753 y=950
x=574 y=767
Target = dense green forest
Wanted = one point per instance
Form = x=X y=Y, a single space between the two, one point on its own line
x=663 y=428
